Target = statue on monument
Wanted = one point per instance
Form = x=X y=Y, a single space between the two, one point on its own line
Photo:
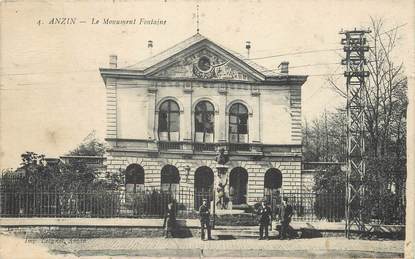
x=222 y=197
x=221 y=158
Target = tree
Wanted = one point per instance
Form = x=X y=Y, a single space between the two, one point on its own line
x=65 y=176
x=386 y=98
x=324 y=138
x=61 y=176
x=385 y=94
x=90 y=146
x=385 y=117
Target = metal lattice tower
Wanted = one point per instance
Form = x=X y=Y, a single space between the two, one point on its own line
x=355 y=47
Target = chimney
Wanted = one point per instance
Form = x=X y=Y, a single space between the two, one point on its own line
x=284 y=67
x=150 y=47
x=113 y=61
x=248 y=47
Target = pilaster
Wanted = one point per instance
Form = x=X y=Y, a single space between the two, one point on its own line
x=111 y=95
x=151 y=111
x=186 y=128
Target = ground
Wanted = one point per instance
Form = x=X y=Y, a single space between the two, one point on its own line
x=333 y=247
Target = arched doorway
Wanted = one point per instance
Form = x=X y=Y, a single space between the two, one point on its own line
x=134 y=178
x=238 y=185
x=203 y=185
x=272 y=186
x=170 y=179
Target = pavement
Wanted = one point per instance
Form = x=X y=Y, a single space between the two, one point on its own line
x=196 y=248
x=133 y=222
x=117 y=248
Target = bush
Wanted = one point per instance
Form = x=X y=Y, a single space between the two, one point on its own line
x=153 y=203
x=104 y=204
x=330 y=206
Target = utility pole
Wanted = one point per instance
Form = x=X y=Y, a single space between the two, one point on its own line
x=355 y=47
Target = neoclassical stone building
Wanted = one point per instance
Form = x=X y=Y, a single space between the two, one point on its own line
x=168 y=116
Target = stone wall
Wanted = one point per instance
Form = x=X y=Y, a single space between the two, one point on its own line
x=308 y=181
x=81 y=232
x=289 y=167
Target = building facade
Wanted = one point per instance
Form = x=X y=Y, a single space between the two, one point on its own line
x=169 y=115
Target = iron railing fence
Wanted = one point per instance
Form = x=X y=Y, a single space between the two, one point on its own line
x=44 y=203
x=310 y=206
x=49 y=201
x=314 y=206
x=21 y=198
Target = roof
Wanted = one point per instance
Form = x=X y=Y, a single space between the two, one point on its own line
x=153 y=60
x=181 y=46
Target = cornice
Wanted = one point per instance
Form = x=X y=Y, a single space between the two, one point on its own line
x=138 y=74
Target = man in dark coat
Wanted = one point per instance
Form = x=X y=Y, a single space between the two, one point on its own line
x=204 y=215
x=264 y=220
x=286 y=214
x=169 y=220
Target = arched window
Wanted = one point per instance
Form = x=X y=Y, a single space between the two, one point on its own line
x=134 y=178
x=169 y=121
x=273 y=179
x=238 y=123
x=170 y=179
x=204 y=122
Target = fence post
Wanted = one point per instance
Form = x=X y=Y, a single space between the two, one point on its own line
x=214 y=208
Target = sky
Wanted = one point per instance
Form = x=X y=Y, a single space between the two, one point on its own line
x=51 y=92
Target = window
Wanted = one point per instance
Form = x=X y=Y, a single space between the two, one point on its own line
x=272 y=180
x=238 y=123
x=134 y=178
x=204 y=122
x=169 y=121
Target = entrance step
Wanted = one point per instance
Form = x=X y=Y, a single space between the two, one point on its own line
x=245 y=232
x=236 y=218
x=240 y=206
x=229 y=212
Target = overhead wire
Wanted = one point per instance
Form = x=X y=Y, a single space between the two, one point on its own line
x=258 y=58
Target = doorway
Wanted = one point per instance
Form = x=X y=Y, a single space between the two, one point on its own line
x=203 y=185
x=238 y=185
x=272 y=187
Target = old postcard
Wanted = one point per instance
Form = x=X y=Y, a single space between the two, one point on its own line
x=206 y=129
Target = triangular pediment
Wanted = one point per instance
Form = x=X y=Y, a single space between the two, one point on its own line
x=205 y=64
x=200 y=58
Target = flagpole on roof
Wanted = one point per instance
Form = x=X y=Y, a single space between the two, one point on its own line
x=197 y=19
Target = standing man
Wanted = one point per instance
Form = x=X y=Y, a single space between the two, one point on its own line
x=287 y=212
x=264 y=220
x=204 y=215
x=169 y=220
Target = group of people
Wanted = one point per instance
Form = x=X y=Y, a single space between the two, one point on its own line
x=264 y=213
x=265 y=219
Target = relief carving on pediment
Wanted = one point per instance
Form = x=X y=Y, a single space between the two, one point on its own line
x=206 y=65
